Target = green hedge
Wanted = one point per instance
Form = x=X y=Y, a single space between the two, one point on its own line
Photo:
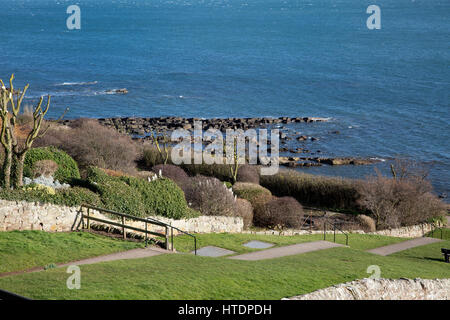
x=138 y=197
x=161 y=197
x=67 y=167
x=71 y=197
x=250 y=191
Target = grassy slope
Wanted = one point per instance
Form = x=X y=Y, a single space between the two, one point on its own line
x=188 y=277
x=235 y=242
x=22 y=250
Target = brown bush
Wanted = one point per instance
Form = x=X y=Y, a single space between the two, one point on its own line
x=366 y=223
x=175 y=173
x=210 y=196
x=92 y=144
x=245 y=211
x=279 y=213
x=46 y=168
x=248 y=173
x=399 y=202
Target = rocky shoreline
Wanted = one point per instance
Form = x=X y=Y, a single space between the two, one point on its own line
x=143 y=126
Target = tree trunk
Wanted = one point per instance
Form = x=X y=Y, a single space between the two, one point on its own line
x=20 y=159
x=7 y=169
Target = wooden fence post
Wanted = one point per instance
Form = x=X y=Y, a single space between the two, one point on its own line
x=123 y=228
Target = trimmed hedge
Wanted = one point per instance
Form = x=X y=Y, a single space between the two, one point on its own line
x=161 y=197
x=250 y=191
x=138 y=197
x=70 y=197
x=67 y=167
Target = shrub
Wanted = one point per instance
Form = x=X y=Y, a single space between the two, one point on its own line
x=92 y=144
x=161 y=197
x=152 y=157
x=210 y=196
x=248 y=173
x=116 y=195
x=67 y=167
x=366 y=223
x=219 y=171
x=244 y=210
x=279 y=213
x=46 y=168
x=71 y=197
x=399 y=202
x=251 y=191
x=311 y=190
x=138 y=197
x=174 y=173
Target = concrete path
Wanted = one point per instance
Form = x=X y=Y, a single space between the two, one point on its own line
x=287 y=250
x=386 y=250
x=129 y=254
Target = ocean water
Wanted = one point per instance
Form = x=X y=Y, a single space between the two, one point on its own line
x=387 y=91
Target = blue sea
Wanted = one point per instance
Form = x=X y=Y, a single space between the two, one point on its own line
x=387 y=91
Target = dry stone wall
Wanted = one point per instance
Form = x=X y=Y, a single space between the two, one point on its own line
x=383 y=289
x=22 y=215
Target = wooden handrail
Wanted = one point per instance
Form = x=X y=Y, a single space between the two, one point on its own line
x=147 y=221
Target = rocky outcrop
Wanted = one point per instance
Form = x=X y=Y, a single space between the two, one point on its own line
x=294 y=162
x=141 y=126
x=383 y=289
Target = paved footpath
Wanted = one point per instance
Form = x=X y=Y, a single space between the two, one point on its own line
x=286 y=250
x=386 y=250
x=129 y=254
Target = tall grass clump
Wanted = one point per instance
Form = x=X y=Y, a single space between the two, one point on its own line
x=311 y=190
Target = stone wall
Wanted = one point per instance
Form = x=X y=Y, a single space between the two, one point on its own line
x=403 y=232
x=22 y=215
x=383 y=289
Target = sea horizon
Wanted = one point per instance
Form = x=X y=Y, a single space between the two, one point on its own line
x=386 y=91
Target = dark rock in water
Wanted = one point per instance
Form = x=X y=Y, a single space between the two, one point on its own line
x=335 y=132
x=345 y=161
x=314 y=139
x=118 y=91
x=297 y=150
x=302 y=138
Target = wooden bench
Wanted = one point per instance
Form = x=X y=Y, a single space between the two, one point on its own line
x=446 y=254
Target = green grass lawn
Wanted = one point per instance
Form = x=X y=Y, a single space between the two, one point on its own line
x=235 y=241
x=22 y=250
x=445 y=232
x=184 y=276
